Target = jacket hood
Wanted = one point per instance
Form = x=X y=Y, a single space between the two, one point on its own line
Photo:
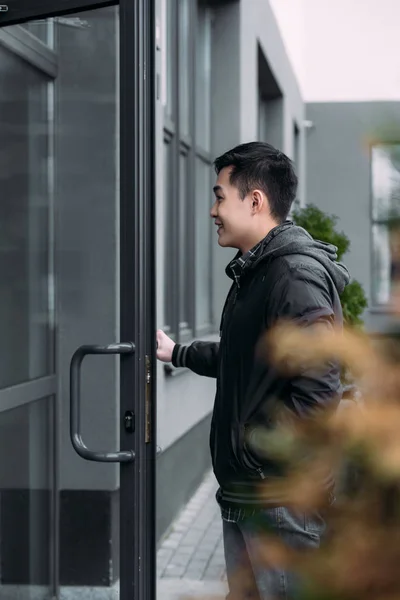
x=288 y=239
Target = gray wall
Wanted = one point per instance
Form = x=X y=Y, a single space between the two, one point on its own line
x=338 y=173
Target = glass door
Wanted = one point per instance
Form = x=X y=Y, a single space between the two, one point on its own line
x=77 y=425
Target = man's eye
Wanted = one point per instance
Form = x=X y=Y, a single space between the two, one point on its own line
x=219 y=198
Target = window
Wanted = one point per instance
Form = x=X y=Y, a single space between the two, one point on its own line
x=385 y=181
x=187 y=168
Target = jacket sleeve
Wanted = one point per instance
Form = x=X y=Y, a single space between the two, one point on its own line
x=199 y=357
x=304 y=298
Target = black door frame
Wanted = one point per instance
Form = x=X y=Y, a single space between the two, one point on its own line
x=138 y=276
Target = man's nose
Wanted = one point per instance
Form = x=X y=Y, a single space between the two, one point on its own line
x=214 y=212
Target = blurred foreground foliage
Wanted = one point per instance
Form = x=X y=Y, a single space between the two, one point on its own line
x=359 y=557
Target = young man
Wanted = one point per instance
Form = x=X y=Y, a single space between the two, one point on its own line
x=279 y=273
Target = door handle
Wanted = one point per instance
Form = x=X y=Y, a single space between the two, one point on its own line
x=75 y=403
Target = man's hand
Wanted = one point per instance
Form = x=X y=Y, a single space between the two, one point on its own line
x=165 y=347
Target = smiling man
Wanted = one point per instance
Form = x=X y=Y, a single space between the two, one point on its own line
x=279 y=273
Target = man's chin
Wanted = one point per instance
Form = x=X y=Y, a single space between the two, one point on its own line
x=225 y=242
x=221 y=241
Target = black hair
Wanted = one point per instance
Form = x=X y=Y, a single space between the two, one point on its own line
x=260 y=165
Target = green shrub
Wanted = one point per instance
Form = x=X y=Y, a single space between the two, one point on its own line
x=323 y=227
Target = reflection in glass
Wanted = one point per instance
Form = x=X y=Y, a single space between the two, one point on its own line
x=25 y=295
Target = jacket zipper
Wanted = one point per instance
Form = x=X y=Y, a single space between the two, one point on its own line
x=231 y=291
x=229 y=305
x=235 y=296
x=261 y=473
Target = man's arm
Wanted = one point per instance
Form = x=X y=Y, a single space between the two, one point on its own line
x=303 y=297
x=316 y=391
x=199 y=357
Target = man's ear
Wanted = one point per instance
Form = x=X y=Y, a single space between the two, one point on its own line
x=257 y=201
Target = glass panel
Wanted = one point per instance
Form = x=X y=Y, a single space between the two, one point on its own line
x=184 y=255
x=26 y=495
x=385 y=180
x=184 y=67
x=25 y=254
x=203 y=78
x=203 y=245
x=381 y=265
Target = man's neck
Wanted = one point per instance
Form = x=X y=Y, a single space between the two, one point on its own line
x=257 y=237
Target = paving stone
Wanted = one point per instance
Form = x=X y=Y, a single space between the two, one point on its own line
x=174 y=571
x=198 y=564
x=213 y=573
x=193 y=549
x=179 y=561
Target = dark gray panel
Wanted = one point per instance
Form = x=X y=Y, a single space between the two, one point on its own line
x=180 y=470
x=89 y=537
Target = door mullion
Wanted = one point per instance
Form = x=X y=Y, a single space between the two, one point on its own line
x=137 y=516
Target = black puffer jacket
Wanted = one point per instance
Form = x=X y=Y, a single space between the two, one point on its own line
x=290 y=277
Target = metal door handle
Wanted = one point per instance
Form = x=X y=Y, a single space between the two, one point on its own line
x=75 y=403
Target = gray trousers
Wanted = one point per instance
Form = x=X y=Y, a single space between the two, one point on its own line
x=247 y=577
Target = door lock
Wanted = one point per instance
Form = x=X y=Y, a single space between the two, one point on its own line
x=129 y=421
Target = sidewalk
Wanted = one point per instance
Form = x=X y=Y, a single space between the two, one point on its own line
x=190 y=560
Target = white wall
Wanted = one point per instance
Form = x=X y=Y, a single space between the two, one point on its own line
x=342 y=50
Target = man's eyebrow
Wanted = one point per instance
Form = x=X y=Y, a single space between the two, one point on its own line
x=217 y=188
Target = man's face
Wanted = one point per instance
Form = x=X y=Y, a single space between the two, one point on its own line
x=231 y=214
